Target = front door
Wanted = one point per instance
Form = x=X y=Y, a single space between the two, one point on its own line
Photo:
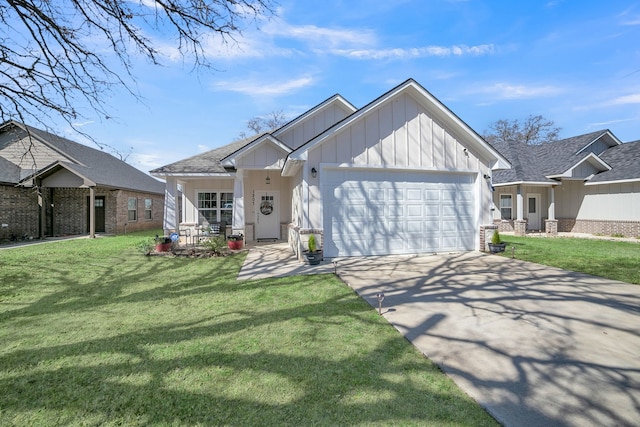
x=533 y=211
x=267 y=215
x=100 y=214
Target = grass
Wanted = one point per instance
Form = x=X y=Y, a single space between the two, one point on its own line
x=616 y=260
x=93 y=333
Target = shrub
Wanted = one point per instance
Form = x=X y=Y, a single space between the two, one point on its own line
x=312 y=243
x=145 y=246
x=215 y=244
x=495 y=239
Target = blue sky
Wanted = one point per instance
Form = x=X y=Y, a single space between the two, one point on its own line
x=574 y=62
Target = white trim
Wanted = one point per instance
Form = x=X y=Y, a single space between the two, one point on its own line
x=536 y=183
x=589 y=158
x=394 y=168
x=232 y=158
x=318 y=107
x=620 y=181
x=196 y=174
x=615 y=139
x=218 y=209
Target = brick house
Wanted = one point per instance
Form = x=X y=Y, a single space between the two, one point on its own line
x=52 y=186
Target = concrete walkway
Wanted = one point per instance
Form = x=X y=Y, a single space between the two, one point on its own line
x=277 y=260
x=534 y=345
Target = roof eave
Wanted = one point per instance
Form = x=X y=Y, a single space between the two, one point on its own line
x=613 y=181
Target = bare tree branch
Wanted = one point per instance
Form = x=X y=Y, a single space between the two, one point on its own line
x=533 y=131
x=58 y=55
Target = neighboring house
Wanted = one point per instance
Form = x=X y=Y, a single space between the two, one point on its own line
x=51 y=186
x=586 y=184
x=401 y=175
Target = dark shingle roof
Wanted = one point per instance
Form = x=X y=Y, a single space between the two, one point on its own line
x=533 y=163
x=9 y=173
x=524 y=164
x=624 y=160
x=559 y=156
x=207 y=162
x=98 y=166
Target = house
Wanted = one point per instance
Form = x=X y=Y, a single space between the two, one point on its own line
x=400 y=175
x=52 y=186
x=585 y=184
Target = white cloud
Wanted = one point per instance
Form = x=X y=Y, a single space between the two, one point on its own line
x=627 y=99
x=418 y=52
x=327 y=37
x=262 y=88
x=511 y=91
x=203 y=148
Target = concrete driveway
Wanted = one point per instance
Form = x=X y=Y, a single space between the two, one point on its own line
x=534 y=345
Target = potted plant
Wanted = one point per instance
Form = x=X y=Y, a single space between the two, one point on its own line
x=234 y=241
x=496 y=245
x=163 y=244
x=313 y=255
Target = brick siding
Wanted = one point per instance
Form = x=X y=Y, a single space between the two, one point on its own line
x=19 y=210
x=67 y=214
x=605 y=228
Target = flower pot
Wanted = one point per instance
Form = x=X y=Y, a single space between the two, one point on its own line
x=497 y=247
x=163 y=247
x=313 y=258
x=235 y=244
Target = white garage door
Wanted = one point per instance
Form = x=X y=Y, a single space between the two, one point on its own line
x=381 y=212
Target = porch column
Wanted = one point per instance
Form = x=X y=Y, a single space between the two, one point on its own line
x=520 y=225
x=92 y=212
x=170 y=224
x=552 y=203
x=237 y=225
x=551 y=224
x=519 y=204
x=43 y=213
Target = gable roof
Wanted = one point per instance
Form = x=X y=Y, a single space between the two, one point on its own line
x=559 y=156
x=625 y=164
x=230 y=160
x=100 y=167
x=222 y=160
x=438 y=109
x=540 y=164
x=209 y=162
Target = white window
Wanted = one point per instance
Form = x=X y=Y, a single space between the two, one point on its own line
x=148 y=205
x=506 y=205
x=215 y=206
x=132 y=208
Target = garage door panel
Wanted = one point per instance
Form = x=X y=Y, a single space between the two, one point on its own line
x=382 y=212
x=414 y=226
x=432 y=211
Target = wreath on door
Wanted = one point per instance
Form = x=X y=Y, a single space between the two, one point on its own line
x=266 y=207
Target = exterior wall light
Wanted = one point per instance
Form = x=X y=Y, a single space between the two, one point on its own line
x=314 y=172
x=267 y=180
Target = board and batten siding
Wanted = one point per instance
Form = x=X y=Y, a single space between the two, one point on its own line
x=266 y=155
x=401 y=134
x=313 y=125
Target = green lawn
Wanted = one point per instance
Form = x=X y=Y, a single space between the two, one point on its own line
x=93 y=333
x=618 y=260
